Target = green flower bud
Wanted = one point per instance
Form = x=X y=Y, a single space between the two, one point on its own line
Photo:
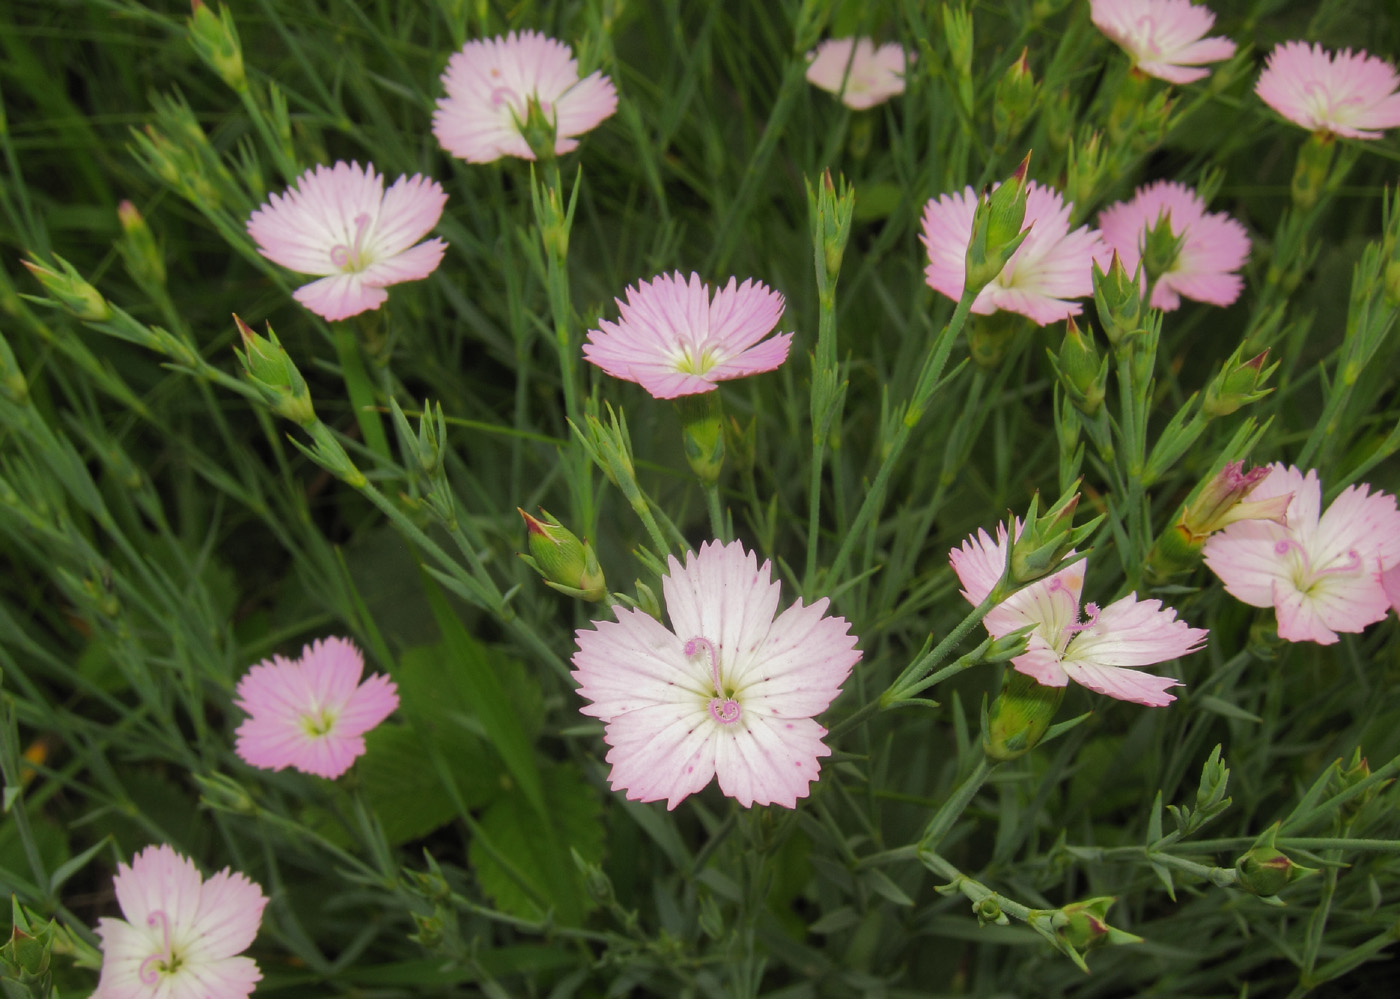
x=1118 y=299
x=1083 y=925
x=71 y=291
x=1161 y=247
x=996 y=229
x=1214 y=504
x=274 y=374
x=1087 y=164
x=702 y=433
x=539 y=129
x=1019 y=717
x=216 y=40
x=1016 y=96
x=1045 y=541
x=1082 y=370
x=1310 y=173
x=138 y=247
x=1239 y=383
x=989 y=338
x=564 y=562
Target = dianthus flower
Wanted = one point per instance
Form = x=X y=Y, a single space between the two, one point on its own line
x=1163 y=38
x=182 y=934
x=1100 y=653
x=490 y=85
x=1052 y=265
x=1320 y=571
x=340 y=222
x=1214 y=246
x=727 y=691
x=311 y=713
x=673 y=338
x=875 y=75
x=1343 y=93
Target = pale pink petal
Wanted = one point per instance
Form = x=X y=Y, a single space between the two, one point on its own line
x=1245 y=559
x=674 y=339
x=340 y=296
x=728 y=689
x=490 y=83
x=770 y=762
x=947 y=230
x=310 y=714
x=1162 y=36
x=1344 y=93
x=870 y=77
x=1390 y=583
x=183 y=933
x=339 y=222
x=1132 y=632
x=1298 y=616
x=1124 y=684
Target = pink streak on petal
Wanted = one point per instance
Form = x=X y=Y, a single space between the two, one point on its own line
x=1124 y=684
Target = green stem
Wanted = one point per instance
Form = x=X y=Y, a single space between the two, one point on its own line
x=712 y=503
x=953 y=808
x=352 y=366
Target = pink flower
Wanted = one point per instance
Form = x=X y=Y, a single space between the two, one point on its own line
x=182 y=935
x=339 y=222
x=1321 y=572
x=1213 y=246
x=1390 y=582
x=1162 y=37
x=875 y=75
x=311 y=713
x=1052 y=265
x=727 y=691
x=1347 y=94
x=490 y=84
x=674 y=339
x=1097 y=653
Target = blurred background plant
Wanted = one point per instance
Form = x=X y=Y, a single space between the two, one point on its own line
x=164 y=526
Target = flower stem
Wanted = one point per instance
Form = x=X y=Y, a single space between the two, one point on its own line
x=352 y=367
x=953 y=808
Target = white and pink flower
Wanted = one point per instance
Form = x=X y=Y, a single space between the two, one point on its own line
x=1163 y=38
x=1323 y=572
x=1103 y=653
x=1213 y=245
x=1345 y=93
x=339 y=222
x=1050 y=268
x=863 y=78
x=728 y=691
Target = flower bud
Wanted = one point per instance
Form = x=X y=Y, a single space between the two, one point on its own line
x=989 y=338
x=1118 y=299
x=1045 y=541
x=702 y=434
x=996 y=229
x=830 y=208
x=1082 y=370
x=564 y=562
x=1016 y=97
x=1214 y=504
x=1356 y=772
x=71 y=291
x=1083 y=925
x=1085 y=169
x=216 y=40
x=225 y=794
x=1019 y=717
x=273 y=373
x=988 y=910
x=957 y=30
x=1239 y=383
x=1265 y=871
x=138 y=247
x=1160 y=248
x=741 y=441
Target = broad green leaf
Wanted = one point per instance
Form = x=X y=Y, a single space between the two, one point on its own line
x=405 y=792
x=538 y=853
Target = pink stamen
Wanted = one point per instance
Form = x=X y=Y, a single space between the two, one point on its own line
x=148 y=974
x=1093 y=611
x=348 y=257
x=724 y=710
x=1353 y=562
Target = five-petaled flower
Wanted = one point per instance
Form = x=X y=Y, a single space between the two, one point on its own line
x=311 y=713
x=862 y=79
x=340 y=222
x=1321 y=571
x=1345 y=93
x=1163 y=38
x=674 y=338
x=182 y=935
x=1101 y=653
x=728 y=691
x=1051 y=266
x=490 y=85
x=1213 y=245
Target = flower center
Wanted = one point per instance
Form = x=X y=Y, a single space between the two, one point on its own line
x=1327 y=108
x=690 y=364
x=352 y=258
x=1305 y=576
x=1144 y=37
x=318 y=723
x=164 y=962
x=723 y=707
